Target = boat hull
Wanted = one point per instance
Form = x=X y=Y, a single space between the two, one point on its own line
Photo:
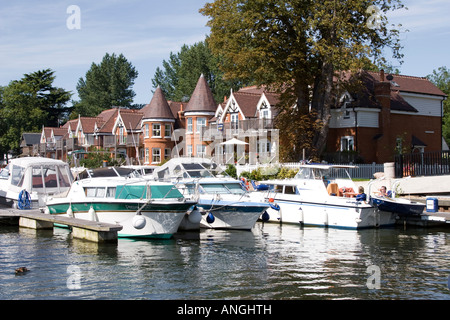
x=397 y=206
x=161 y=220
x=230 y=214
x=330 y=215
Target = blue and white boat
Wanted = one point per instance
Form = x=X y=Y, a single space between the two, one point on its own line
x=321 y=195
x=221 y=200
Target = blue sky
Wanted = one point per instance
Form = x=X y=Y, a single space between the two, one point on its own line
x=34 y=36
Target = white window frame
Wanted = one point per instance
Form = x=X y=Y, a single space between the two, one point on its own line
x=189 y=125
x=201 y=150
x=156 y=127
x=146 y=131
x=189 y=150
x=346 y=142
x=201 y=122
x=147 y=156
x=156 y=153
x=167 y=130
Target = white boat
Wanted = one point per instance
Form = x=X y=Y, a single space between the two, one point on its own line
x=321 y=195
x=26 y=182
x=145 y=208
x=222 y=201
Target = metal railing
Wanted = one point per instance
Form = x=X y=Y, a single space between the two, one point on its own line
x=422 y=164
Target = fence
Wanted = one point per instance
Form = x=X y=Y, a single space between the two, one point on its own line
x=422 y=164
x=362 y=171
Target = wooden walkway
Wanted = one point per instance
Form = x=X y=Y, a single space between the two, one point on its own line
x=82 y=229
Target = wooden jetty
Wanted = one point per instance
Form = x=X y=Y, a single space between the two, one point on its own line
x=81 y=229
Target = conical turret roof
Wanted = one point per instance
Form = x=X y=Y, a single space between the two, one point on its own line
x=202 y=98
x=158 y=108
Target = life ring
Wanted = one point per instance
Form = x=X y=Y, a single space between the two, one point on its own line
x=24 y=200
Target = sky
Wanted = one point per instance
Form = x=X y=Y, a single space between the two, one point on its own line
x=36 y=35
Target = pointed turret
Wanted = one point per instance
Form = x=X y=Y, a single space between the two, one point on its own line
x=158 y=108
x=202 y=99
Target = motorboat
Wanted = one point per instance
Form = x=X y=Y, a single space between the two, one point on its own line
x=321 y=195
x=26 y=182
x=144 y=208
x=392 y=203
x=221 y=200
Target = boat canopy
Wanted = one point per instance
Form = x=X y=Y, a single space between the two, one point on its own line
x=187 y=168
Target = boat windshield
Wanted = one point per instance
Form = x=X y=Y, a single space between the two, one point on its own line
x=192 y=170
x=143 y=192
x=223 y=188
x=324 y=174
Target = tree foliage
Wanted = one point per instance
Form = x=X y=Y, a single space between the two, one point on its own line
x=106 y=84
x=297 y=48
x=179 y=74
x=28 y=104
x=441 y=78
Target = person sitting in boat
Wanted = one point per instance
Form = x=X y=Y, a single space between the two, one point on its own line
x=361 y=196
x=384 y=193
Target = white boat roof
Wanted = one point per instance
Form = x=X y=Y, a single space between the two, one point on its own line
x=34 y=161
x=326 y=166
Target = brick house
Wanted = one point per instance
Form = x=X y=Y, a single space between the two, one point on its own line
x=388 y=114
x=373 y=121
x=198 y=114
x=158 y=124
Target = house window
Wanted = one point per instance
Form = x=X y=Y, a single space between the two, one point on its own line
x=167 y=131
x=264 y=114
x=156 y=155
x=189 y=150
x=156 y=132
x=147 y=156
x=121 y=136
x=347 y=143
x=201 y=150
x=189 y=125
x=167 y=153
x=201 y=122
x=146 y=132
x=234 y=118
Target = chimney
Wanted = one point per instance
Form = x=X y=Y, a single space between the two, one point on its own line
x=382 y=92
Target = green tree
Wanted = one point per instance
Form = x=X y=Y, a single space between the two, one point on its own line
x=441 y=78
x=106 y=84
x=297 y=48
x=179 y=75
x=28 y=104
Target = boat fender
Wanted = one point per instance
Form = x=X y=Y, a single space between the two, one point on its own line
x=195 y=216
x=24 y=200
x=210 y=218
x=265 y=216
x=70 y=212
x=274 y=206
x=92 y=214
x=138 y=221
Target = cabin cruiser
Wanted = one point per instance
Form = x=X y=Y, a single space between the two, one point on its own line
x=221 y=200
x=26 y=182
x=321 y=195
x=145 y=208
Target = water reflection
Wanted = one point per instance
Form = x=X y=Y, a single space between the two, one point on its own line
x=269 y=262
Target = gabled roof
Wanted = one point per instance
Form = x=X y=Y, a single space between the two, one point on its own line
x=158 y=108
x=30 y=138
x=403 y=83
x=202 y=99
x=131 y=119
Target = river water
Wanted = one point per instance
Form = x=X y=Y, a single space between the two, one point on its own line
x=270 y=262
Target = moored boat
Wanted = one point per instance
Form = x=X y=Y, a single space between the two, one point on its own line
x=321 y=195
x=145 y=208
x=26 y=182
x=222 y=202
